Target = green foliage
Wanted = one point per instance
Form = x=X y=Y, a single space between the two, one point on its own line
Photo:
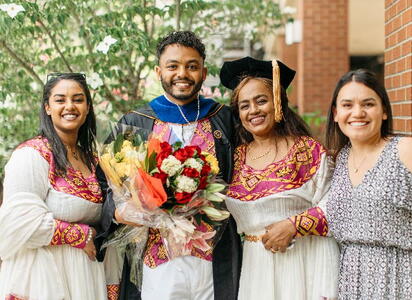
x=63 y=36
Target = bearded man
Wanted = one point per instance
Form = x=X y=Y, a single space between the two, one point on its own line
x=181 y=114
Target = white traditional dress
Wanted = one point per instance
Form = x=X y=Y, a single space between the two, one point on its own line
x=258 y=198
x=41 y=210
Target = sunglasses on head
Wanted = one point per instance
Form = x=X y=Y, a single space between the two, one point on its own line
x=51 y=76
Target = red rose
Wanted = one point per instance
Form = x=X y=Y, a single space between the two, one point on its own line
x=162 y=176
x=202 y=183
x=165 y=146
x=191 y=150
x=183 y=198
x=190 y=172
x=203 y=158
x=181 y=154
x=206 y=169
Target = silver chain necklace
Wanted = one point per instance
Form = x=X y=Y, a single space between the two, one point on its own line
x=184 y=117
x=181 y=111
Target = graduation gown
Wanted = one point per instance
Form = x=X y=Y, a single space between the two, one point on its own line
x=227 y=253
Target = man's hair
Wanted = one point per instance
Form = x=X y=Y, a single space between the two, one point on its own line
x=184 y=38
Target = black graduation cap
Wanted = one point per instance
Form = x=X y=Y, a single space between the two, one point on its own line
x=232 y=72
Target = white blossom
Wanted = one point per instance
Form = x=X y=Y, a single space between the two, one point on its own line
x=193 y=163
x=12 y=9
x=8 y=102
x=104 y=45
x=171 y=165
x=101 y=12
x=18 y=117
x=94 y=81
x=34 y=86
x=289 y=10
x=185 y=184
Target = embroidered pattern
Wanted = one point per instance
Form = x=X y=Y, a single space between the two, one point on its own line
x=202 y=136
x=310 y=222
x=72 y=182
x=71 y=234
x=299 y=165
x=156 y=252
x=113 y=291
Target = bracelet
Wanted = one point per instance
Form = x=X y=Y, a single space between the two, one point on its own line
x=89 y=235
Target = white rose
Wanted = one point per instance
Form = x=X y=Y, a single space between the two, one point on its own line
x=186 y=184
x=171 y=165
x=193 y=163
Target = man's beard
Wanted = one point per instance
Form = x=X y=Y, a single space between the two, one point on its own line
x=168 y=87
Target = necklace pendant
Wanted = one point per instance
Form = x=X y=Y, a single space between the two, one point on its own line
x=356 y=170
x=75 y=156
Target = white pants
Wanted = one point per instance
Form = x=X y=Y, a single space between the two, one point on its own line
x=183 y=278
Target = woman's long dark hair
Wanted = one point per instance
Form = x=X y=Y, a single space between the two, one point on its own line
x=291 y=125
x=335 y=139
x=87 y=132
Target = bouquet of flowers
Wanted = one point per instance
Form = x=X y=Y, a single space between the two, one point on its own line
x=168 y=187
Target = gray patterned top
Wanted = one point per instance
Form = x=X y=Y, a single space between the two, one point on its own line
x=373 y=224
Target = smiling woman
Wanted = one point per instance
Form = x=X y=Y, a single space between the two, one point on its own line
x=279 y=171
x=52 y=201
x=370 y=203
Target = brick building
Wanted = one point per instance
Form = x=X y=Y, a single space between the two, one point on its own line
x=398 y=61
x=330 y=37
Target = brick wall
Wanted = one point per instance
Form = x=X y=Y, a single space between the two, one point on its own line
x=398 y=62
x=323 y=53
x=288 y=55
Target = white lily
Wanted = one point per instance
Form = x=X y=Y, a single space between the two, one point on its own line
x=215 y=197
x=215 y=214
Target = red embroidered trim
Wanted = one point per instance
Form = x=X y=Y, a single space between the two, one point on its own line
x=299 y=166
x=71 y=234
x=112 y=291
x=310 y=222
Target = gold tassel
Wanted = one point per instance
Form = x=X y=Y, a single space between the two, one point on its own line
x=277 y=102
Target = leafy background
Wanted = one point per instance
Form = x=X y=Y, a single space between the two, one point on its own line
x=62 y=36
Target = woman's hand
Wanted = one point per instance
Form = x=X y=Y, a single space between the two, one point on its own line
x=90 y=249
x=120 y=219
x=279 y=236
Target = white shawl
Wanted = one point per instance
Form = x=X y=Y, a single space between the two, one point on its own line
x=26 y=227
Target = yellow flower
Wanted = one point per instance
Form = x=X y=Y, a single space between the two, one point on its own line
x=214 y=164
x=123 y=169
x=127 y=146
x=106 y=164
x=119 y=157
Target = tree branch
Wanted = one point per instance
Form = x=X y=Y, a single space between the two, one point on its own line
x=53 y=40
x=24 y=64
x=177 y=15
x=90 y=50
x=144 y=17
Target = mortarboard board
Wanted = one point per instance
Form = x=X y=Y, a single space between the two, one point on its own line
x=232 y=72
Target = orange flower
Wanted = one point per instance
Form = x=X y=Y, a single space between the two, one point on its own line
x=151 y=190
x=153 y=145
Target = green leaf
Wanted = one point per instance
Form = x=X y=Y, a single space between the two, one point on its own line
x=117 y=145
